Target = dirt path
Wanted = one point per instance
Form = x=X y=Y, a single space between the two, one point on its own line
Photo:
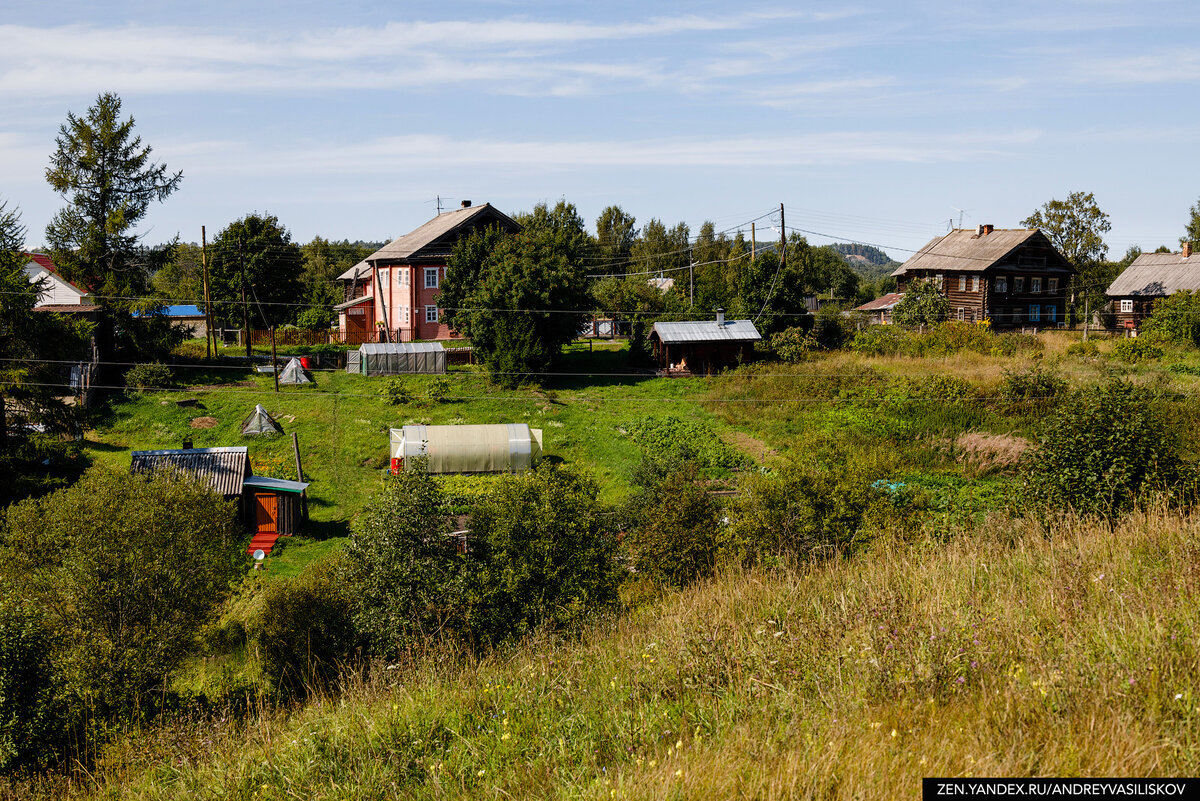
x=755 y=448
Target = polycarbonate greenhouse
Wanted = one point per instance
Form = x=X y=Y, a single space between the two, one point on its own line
x=398 y=358
x=501 y=448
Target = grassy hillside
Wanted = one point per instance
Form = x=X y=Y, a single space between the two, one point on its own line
x=1016 y=648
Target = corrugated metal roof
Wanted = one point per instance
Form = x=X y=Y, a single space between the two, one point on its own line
x=354 y=302
x=400 y=347
x=359 y=270
x=963 y=249
x=223 y=469
x=706 y=331
x=881 y=304
x=1158 y=275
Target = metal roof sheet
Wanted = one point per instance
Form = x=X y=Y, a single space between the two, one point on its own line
x=706 y=331
x=354 y=302
x=1158 y=275
x=223 y=469
x=436 y=237
x=400 y=347
x=280 y=484
x=882 y=303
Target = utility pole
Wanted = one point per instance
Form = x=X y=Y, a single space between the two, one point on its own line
x=274 y=361
x=245 y=306
x=691 y=284
x=753 y=244
x=782 y=241
x=1086 y=316
x=210 y=336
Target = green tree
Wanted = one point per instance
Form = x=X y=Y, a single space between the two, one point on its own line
x=923 y=304
x=127 y=568
x=181 y=280
x=658 y=248
x=402 y=573
x=1077 y=227
x=323 y=261
x=34 y=349
x=32 y=716
x=258 y=251
x=1104 y=449
x=109 y=181
x=544 y=555
x=615 y=236
x=1191 y=232
x=520 y=297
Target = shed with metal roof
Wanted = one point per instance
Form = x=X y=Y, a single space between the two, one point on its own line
x=500 y=448
x=1152 y=276
x=398 y=358
x=703 y=346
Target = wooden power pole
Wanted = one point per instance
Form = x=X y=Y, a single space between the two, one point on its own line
x=210 y=336
x=245 y=306
x=274 y=361
x=753 y=244
x=782 y=241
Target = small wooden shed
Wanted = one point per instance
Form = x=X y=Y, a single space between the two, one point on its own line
x=704 y=346
x=269 y=507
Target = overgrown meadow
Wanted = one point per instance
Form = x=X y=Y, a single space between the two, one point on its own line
x=880 y=586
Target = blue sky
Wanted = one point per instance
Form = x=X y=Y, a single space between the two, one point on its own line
x=873 y=121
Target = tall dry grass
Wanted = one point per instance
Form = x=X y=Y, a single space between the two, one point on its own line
x=1057 y=648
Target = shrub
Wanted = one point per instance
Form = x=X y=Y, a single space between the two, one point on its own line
x=673 y=439
x=941 y=387
x=543 y=555
x=396 y=391
x=802 y=512
x=315 y=319
x=147 y=376
x=1033 y=388
x=31 y=716
x=403 y=575
x=792 y=345
x=303 y=630
x=1176 y=319
x=1137 y=349
x=674 y=535
x=438 y=390
x=1102 y=451
x=127 y=568
x=1083 y=349
x=832 y=328
x=881 y=340
x=923 y=304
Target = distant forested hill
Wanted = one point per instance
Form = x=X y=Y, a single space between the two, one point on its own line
x=868 y=262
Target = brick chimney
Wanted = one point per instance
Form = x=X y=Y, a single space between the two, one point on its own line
x=1187 y=250
x=987 y=229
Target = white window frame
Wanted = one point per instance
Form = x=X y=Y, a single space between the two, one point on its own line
x=974 y=283
x=1035 y=284
x=431 y=314
x=962 y=283
x=1035 y=313
x=1127 y=307
x=406 y=315
x=941 y=282
x=431 y=272
x=1002 y=284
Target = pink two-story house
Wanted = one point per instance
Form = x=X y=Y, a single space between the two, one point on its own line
x=392 y=295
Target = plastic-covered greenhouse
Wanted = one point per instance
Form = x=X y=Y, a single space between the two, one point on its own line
x=501 y=448
x=396 y=358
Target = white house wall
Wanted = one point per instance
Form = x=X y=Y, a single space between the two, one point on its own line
x=58 y=292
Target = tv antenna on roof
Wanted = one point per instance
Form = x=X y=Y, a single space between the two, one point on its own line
x=961 y=212
x=438 y=201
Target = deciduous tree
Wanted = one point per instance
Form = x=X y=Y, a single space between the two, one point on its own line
x=257 y=250
x=923 y=304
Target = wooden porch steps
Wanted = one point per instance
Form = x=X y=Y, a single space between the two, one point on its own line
x=264 y=540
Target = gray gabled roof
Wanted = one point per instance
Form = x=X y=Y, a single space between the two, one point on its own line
x=434 y=239
x=965 y=250
x=706 y=331
x=223 y=469
x=1157 y=275
x=277 y=484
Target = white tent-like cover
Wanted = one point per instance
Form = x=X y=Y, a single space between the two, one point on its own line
x=293 y=373
x=500 y=448
x=260 y=422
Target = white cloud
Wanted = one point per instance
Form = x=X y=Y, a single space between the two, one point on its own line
x=397 y=155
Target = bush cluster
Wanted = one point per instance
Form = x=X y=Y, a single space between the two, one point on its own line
x=673 y=439
x=1146 y=348
x=143 y=376
x=944 y=339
